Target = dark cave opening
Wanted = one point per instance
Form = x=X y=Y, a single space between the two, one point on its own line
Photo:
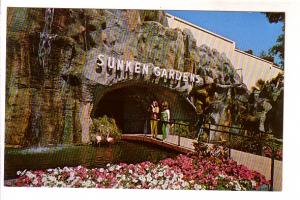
x=129 y=105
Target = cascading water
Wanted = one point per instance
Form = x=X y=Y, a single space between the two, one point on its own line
x=43 y=53
x=45 y=39
x=36 y=119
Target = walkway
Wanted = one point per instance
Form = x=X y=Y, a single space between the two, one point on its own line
x=254 y=162
x=186 y=145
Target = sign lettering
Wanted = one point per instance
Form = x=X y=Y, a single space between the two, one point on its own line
x=143 y=68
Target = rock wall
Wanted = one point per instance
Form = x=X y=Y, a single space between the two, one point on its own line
x=49 y=100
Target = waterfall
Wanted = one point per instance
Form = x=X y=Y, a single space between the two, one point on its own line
x=35 y=124
x=45 y=39
x=43 y=53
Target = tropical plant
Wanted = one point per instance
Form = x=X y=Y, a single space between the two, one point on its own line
x=105 y=126
x=184 y=129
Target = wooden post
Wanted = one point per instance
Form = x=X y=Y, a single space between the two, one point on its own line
x=178 y=137
x=208 y=132
x=229 y=148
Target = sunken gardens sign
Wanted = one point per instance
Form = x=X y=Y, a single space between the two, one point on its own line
x=109 y=70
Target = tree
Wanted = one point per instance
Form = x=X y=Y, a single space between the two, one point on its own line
x=275 y=17
x=250 y=51
x=266 y=56
x=278 y=48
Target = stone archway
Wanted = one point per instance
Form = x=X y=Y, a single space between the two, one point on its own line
x=128 y=102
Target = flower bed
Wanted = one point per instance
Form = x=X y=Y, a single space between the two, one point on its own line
x=182 y=172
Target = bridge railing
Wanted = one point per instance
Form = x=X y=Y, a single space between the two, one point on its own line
x=177 y=127
x=231 y=137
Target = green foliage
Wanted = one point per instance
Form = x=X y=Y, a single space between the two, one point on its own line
x=278 y=48
x=260 y=83
x=216 y=152
x=250 y=51
x=275 y=17
x=184 y=130
x=104 y=126
x=252 y=144
x=266 y=56
x=199 y=106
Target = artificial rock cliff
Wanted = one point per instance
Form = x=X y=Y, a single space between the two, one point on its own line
x=49 y=100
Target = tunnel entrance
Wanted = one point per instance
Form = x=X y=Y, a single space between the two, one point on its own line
x=129 y=105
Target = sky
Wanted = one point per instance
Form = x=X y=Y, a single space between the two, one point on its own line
x=249 y=30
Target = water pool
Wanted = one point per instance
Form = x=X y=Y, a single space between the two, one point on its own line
x=87 y=156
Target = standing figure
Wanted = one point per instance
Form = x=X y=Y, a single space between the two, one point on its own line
x=165 y=117
x=154 y=110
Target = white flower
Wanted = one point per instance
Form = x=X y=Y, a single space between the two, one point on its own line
x=55 y=172
x=66 y=169
x=30 y=175
x=44 y=179
x=135 y=180
x=118 y=167
x=149 y=175
x=237 y=187
x=221 y=176
x=184 y=184
x=35 y=182
x=197 y=187
x=118 y=175
x=154 y=182
x=253 y=183
x=176 y=187
x=172 y=180
x=149 y=179
x=130 y=171
x=87 y=183
x=52 y=178
x=175 y=177
x=49 y=170
x=164 y=186
x=111 y=168
x=21 y=173
x=160 y=173
x=142 y=178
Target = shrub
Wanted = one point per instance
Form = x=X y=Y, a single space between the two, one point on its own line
x=105 y=126
x=184 y=130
